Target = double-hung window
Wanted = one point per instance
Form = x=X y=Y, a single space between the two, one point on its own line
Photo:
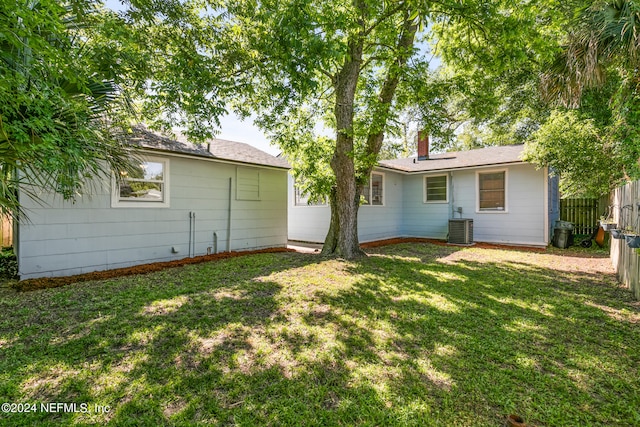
x=492 y=190
x=145 y=186
x=373 y=192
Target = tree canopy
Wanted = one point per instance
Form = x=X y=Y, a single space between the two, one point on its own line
x=75 y=76
x=580 y=73
x=330 y=79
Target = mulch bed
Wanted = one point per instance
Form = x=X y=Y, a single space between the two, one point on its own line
x=379 y=243
x=54 y=282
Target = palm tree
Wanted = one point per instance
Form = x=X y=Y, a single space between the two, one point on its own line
x=54 y=134
x=606 y=39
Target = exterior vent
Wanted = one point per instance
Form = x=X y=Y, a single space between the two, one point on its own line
x=461 y=231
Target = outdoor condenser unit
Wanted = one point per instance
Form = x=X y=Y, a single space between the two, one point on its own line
x=461 y=231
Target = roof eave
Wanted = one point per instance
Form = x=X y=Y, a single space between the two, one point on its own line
x=210 y=157
x=413 y=172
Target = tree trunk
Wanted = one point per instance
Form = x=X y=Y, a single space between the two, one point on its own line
x=331 y=241
x=342 y=238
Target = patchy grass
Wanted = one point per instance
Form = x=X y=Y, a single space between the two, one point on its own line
x=416 y=334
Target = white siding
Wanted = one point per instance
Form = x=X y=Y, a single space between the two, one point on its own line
x=64 y=238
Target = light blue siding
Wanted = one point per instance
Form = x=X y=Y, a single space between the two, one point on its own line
x=311 y=223
x=383 y=222
x=306 y=223
x=422 y=219
x=64 y=238
x=406 y=214
x=523 y=222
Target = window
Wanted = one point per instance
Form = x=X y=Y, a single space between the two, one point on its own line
x=492 y=191
x=302 y=199
x=373 y=192
x=146 y=186
x=435 y=189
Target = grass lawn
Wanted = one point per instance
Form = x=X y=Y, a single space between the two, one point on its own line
x=416 y=334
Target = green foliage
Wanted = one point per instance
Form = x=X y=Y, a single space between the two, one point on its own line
x=8 y=264
x=75 y=76
x=514 y=86
x=54 y=99
x=574 y=146
x=601 y=56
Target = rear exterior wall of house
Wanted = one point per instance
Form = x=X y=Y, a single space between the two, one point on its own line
x=408 y=212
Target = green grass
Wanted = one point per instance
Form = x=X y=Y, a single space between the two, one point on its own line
x=415 y=334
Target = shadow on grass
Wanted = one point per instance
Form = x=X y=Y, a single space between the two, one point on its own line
x=412 y=335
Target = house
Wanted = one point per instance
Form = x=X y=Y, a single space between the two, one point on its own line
x=509 y=200
x=185 y=201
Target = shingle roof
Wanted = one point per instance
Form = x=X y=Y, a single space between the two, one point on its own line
x=457 y=160
x=218 y=148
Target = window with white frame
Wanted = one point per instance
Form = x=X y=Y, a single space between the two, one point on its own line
x=373 y=191
x=435 y=189
x=492 y=189
x=302 y=199
x=145 y=186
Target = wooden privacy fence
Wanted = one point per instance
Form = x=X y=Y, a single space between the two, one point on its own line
x=625 y=260
x=583 y=213
x=6 y=231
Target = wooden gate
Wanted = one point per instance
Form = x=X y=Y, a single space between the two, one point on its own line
x=583 y=213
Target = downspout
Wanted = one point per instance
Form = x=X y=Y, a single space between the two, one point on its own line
x=194 y=234
x=451 y=198
x=229 y=219
x=546 y=205
x=190 y=232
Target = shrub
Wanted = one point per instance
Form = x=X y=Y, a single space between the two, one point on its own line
x=8 y=264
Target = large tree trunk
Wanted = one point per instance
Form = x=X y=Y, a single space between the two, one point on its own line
x=331 y=241
x=342 y=238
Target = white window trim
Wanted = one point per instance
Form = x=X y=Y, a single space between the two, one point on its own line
x=165 y=203
x=384 y=190
x=506 y=192
x=424 y=190
x=295 y=205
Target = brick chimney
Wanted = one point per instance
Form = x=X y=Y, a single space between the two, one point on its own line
x=423 y=145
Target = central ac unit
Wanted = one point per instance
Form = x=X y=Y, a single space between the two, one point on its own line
x=461 y=231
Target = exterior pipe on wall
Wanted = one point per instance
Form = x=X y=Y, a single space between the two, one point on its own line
x=190 y=232
x=194 y=234
x=215 y=242
x=229 y=219
x=451 y=199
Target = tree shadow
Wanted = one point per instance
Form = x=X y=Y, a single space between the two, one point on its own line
x=407 y=336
